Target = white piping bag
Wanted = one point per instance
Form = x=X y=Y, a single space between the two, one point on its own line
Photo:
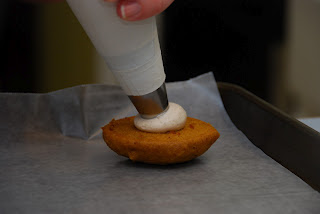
x=131 y=51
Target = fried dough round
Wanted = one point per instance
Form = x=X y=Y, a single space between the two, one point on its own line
x=159 y=148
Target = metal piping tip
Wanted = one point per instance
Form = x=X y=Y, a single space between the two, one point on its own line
x=152 y=104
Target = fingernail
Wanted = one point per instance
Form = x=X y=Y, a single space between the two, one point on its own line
x=130 y=9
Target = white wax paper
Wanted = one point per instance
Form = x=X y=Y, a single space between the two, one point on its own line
x=53 y=160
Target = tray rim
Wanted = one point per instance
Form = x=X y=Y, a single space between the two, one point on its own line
x=312 y=175
x=267 y=107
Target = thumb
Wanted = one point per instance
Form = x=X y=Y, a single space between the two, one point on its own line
x=133 y=10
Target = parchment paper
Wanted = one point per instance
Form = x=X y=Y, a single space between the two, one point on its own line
x=53 y=160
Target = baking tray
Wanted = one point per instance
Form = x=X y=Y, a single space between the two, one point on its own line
x=285 y=139
x=53 y=158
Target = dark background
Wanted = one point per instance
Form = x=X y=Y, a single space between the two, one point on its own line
x=231 y=38
x=17 y=46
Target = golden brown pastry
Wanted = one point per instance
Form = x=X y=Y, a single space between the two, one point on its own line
x=159 y=148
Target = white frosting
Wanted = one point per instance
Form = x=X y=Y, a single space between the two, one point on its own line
x=172 y=120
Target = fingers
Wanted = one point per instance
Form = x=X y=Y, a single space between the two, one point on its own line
x=133 y=10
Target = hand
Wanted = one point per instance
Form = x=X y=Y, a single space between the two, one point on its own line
x=133 y=10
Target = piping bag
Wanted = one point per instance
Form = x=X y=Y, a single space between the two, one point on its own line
x=131 y=51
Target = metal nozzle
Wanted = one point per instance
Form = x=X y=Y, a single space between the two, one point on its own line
x=152 y=104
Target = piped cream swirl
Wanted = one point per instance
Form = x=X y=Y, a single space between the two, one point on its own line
x=172 y=120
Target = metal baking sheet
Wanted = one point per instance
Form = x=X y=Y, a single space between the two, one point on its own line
x=282 y=137
x=53 y=160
